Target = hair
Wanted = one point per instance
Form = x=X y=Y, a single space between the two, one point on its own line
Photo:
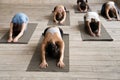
x=94 y=25
x=16 y=28
x=53 y=50
x=83 y=5
x=59 y=16
x=112 y=14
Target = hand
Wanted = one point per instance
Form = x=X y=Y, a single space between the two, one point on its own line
x=61 y=22
x=61 y=64
x=81 y=11
x=110 y=19
x=118 y=19
x=85 y=10
x=56 y=21
x=44 y=65
x=10 y=39
x=98 y=34
x=92 y=34
x=15 y=40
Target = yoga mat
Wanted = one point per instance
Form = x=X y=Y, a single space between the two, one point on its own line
x=86 y=37
x=35 y=61
x=77 y=11
x=26 y=36
x=66 y=23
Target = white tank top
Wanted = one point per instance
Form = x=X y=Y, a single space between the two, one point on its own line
x=53 y=30
x=111 y=4
x=93 y=15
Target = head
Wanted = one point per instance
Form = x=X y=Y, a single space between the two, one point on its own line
x=94 y=23
x=16 y=29
x=17 y=26
x=83 y=5
x=59 y=16
x=52 y=50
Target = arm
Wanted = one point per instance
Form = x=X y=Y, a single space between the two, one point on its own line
x=99 y=29
x=78 y=6
x=89 y=28
x=107 y=15
x=10 y=33
x=116 y=12
x=86 y=9
x=21 y=32
x=43 y=64
x=54 y=17
x=60 y=62
x=64 y=14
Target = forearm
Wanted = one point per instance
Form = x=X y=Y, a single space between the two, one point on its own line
x=62 y=51
x=64 y=17
x=89 y=28
x=117 y=14
x=43 y=59
x=10 y=34
x=24 y=25
x=107 y=15
x=19 y=35
x=54 y=17
x=99 y=27
x=11 y=30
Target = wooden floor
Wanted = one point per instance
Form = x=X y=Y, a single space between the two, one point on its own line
x=97 y=60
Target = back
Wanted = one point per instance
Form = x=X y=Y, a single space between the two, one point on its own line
x=110 y=4
x=20 y=18
x=91 y=15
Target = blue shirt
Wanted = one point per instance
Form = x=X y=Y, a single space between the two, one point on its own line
x=20 y=18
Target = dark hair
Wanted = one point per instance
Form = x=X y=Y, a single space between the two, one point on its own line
x=16 y=29
x=53 y=50
x=59 y=16
x=83 y=5
x=94 y=25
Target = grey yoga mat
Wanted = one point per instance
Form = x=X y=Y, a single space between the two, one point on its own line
x=26 y=36
x=77 y=11
x=35 y=61
x=66 y=23
x=86 y=37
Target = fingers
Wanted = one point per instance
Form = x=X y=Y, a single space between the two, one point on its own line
x=15 y=40
x=43 y=65
x=10 y=40
x=61 y=64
